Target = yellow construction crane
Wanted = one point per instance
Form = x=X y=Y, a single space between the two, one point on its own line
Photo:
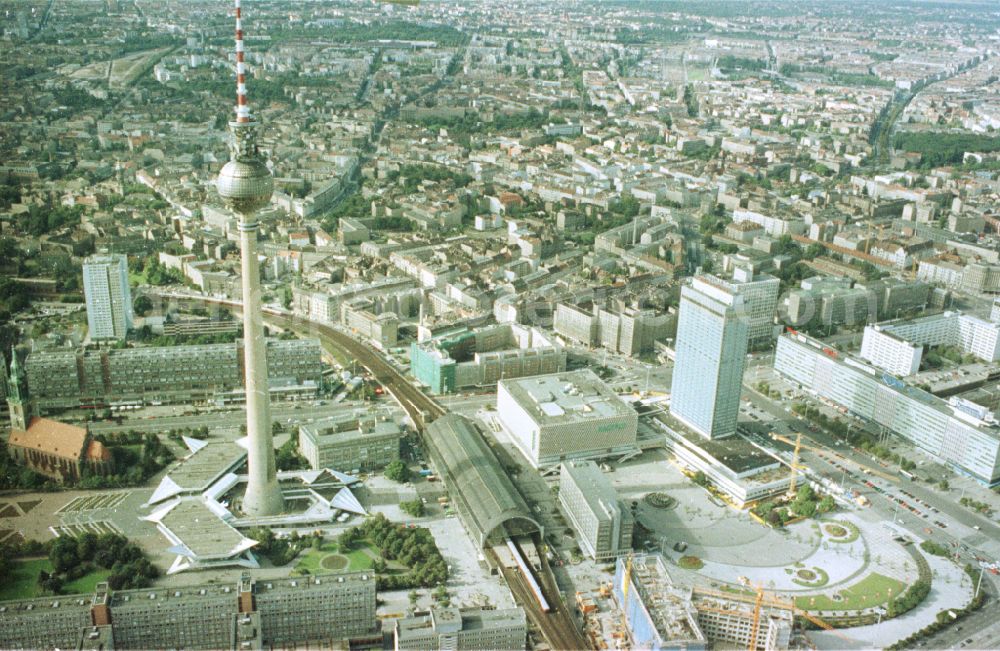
x=794 y=465
x=759 y=599
x=755 y=624
x=798 y=444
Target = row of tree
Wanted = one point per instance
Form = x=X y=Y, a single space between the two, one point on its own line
x=857 y=436
x=413 y=547
x=75 y=557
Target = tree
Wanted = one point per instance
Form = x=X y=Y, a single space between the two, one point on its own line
x=142 y=305
x=398 y=471
x=413 y=507
x=826 y=504
x=944 y=485
x=348 y=538
x=288 y=457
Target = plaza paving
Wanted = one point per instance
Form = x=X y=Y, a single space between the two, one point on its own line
x=731 y=545
x=951 y=588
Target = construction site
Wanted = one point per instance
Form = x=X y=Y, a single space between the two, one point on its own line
x=643 y=607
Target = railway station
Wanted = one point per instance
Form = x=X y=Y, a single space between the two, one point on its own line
x=487 y=501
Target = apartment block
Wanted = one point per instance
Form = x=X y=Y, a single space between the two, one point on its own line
x=959 y=434
x=898 y=346
x=108 y=297
x=381 y=328
x=628 y=331
x=66 y=379
x=314 y=611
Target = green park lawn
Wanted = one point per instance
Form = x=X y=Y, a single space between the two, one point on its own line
x=873 y=590
x=22 y=583
x=23 y=580
x=86 y=583
x=311 y=559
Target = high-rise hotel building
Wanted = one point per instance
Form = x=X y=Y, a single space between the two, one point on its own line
x=710 y=350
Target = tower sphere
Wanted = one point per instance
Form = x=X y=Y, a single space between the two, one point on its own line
x=245 y=185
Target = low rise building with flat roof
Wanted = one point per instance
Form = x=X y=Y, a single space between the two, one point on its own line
x=459 y=629
x=357 y=440
x=738 y=469
x=574 y=415
x=483 y=356
x=603 y=523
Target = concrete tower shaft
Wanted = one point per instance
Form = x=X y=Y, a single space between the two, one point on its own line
x=245 y=185
x=263 y=496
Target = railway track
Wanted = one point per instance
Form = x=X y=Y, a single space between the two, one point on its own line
x=420 y=408
x=556 y=625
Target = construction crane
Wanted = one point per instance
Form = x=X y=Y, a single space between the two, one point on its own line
x=759 y=598
x=755 y=624
x=798 y=444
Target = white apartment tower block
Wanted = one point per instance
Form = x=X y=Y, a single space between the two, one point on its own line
x=109 y=300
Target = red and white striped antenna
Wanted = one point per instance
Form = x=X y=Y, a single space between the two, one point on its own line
x=242 y=108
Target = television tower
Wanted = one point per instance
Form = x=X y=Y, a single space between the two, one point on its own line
x=245 y=185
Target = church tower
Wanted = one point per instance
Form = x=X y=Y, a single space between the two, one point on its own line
x=17 y=398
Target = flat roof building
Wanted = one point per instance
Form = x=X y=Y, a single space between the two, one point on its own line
x=658 y=614
x=484 y=356
x=627 y=331
x=68 y=379
x=741 y=471
x=574 y=415
x=603 y=523
x=898 y=346
x=661 y=615
x=319 y=610
x=109 y=299
x=352 y=441
x=964 y=438
x=459 y=629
